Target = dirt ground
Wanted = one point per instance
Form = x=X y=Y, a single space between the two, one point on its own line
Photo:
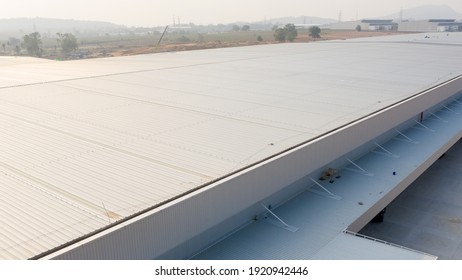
x=114 y=49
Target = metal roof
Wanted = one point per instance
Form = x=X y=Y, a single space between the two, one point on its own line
x=87 y=143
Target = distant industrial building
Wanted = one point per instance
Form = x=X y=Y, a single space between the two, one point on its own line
x=281 y=151
x=366 y=24
x=431 y=25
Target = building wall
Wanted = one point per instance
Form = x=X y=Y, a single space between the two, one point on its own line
x=383 y=27
x=181 y=228
x=351 y=25
x=450 y=28
x=418 y=26
x=348 y=25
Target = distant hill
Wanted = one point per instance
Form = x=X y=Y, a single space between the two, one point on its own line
x=297 y=20
x=17 y=27
x=428 y=12
x=48 y=27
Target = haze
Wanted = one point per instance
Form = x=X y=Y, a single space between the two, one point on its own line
x=160 y=12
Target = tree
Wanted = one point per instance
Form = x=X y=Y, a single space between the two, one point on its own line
x=315 y=32
x=32 y=43
x=17 y=50
x=291 y=32
x=288 y=33
x=14 y=41
x=358 y=28
x=259 y=38
x=67 y=41
x=245 y=28
x=236 y=28
x=280 y=34
x=4 y=47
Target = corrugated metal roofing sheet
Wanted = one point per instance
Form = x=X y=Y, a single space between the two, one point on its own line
x=85 y=143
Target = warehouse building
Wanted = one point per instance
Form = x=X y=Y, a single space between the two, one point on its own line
x=431 y=25
x=291 y=147
x=366 y=24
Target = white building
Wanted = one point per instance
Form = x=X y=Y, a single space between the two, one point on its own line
x=431 y=25
x=366 y=24
x=160 y=156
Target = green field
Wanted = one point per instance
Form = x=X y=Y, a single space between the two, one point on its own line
x=110 y=43
x=128 y=44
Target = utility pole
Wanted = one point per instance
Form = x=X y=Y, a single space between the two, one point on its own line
x=162 y=36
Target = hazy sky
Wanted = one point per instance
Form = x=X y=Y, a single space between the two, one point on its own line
x=160 y=12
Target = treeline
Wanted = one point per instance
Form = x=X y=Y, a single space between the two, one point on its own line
x=32 y=44
x=290 y=33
